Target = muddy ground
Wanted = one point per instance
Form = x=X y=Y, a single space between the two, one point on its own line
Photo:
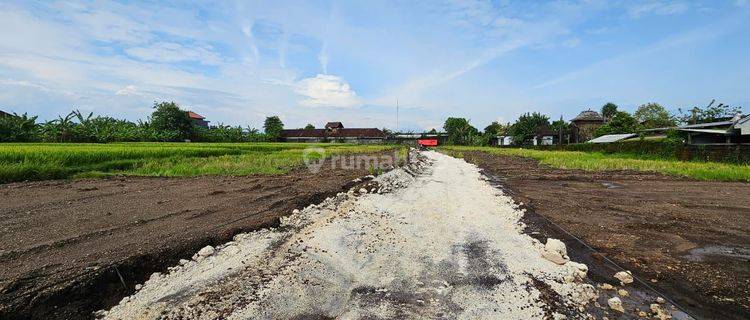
x=72 y=247
x=688 y=239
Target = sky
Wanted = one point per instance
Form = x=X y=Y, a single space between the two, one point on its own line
x=236 y=62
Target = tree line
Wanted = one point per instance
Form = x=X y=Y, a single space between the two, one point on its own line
x=647 y=116
x=167 y=123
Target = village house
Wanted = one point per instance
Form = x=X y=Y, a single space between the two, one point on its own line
x=584 y=126
x=197 y=119
x=335 y=132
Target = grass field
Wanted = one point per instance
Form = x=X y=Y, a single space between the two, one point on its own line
x=42 y=161
x=598 y=161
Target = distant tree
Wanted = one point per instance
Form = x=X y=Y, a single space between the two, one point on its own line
x=494 y=128
x=653 y=115
x=170 y=122
x=621 y=122
x=309 y=127
x=491 y=131
x=388 y=132
x=460 y=131
x=21 y=128
x=608 y=110
x=432 y=131
x=560 y=126
x=526 y=126
x=273 y=127
x=710 y=113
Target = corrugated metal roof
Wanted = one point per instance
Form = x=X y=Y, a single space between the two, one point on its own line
x=715 y=131
x=612 y=138
x=708 y=125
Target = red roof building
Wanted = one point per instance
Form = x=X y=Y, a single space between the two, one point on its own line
x=335 y=132
x=198 y=120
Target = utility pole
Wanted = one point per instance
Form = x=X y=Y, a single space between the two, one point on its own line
x=396 y=115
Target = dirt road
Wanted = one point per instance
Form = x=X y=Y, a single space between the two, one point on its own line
x=433 y=241
x=689 y=239
x=68 y=248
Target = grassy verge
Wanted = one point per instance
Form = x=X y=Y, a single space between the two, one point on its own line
x=597 y=161
x=40 y=161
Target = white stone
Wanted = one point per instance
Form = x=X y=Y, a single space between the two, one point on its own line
x=579 y=270
x=615 y=304
x=295 y=211
x=623 y=292
x=606 y=286
x=555 y=251
x=206 y=251
x=362 y=190
x=625 y=277
x=660 y=313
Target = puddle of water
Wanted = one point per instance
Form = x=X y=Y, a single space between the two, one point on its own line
x=611 y=185
x=701 y=253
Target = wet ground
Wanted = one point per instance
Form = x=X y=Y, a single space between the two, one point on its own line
x=68 y=248
x=687 y=239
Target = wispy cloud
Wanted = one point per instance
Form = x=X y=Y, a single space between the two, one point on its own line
x=658 y=7
x=237 y=61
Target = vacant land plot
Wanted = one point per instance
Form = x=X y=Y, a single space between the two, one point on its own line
x=691 y=237
x=591 y=161
x=40 y=161
x=71 y=247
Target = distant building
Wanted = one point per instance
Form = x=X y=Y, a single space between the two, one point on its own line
x=334 y=126
x=502 y=141
x=335 y=132
x=545 y=137
x=198 y=120
x=734 y=131
x=414 y=139
x=584 y=126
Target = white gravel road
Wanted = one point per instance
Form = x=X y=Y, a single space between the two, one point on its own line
x=442 y=243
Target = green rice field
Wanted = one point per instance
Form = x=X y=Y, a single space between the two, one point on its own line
x=43 y=161
x=598 y=161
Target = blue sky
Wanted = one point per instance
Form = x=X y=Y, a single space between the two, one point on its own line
x=318 y=61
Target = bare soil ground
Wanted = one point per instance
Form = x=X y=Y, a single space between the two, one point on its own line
x=73 y=247
x=688 y=239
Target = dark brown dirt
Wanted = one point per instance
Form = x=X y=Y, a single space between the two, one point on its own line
x=688 y=239
x=72 y=247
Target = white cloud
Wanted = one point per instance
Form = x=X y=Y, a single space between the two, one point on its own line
x=174 y=52
x=327 y=91
x=658 y=8
x=128 y=90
